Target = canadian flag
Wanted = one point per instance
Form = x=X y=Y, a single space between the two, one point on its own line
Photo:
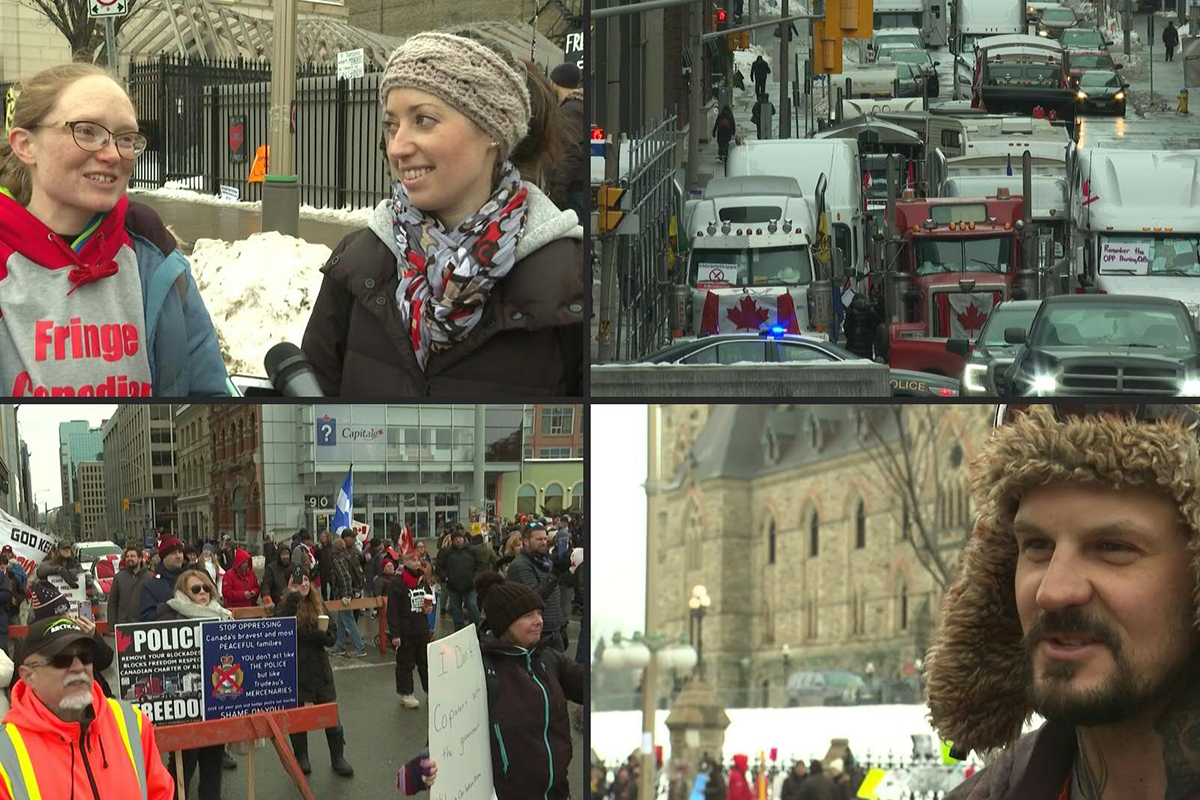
x=746 y=311
x=967 y=313
x=1086 y=197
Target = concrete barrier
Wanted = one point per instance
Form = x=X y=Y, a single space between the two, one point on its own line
x=843 y=379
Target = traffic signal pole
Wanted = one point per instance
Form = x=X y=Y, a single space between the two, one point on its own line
x=785 y=114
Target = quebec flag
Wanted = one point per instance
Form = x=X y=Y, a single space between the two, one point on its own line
x=344 y=502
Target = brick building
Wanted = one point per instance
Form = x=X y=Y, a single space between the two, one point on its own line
x=782 y=514
x=237 y=498
x=193 y=463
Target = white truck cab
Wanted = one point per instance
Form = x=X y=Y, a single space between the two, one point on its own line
x=750 y=261
x=806 y=160
x=1136 y=222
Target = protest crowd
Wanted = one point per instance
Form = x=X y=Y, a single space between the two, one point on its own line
x=517 y=581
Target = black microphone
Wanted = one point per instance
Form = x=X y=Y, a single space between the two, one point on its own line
x=290 y=373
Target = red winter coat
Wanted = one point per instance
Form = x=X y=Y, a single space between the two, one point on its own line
x=235 y=585
x=739 y=787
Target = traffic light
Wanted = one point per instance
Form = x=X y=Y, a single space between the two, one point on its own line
x=720 y=19
x=854 y=17
x=597 y=134
x=608 y=212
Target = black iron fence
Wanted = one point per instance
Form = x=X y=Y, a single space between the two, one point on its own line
x=207 y=121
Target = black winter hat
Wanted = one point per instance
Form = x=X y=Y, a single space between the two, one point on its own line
x=504 y=601
x=566 y=75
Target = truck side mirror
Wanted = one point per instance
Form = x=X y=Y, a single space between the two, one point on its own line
x=1014 y=335
x=959 y=347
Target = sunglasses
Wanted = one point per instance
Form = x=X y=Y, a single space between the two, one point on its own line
x=198 y=588
x=1136 y=412
x=65 y=660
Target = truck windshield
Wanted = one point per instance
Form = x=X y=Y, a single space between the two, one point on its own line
x=760 y=266
x=1098 y=326
x=936 y=256
x=1167 y=254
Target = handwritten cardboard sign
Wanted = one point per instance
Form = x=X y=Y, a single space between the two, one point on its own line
x=458 y=719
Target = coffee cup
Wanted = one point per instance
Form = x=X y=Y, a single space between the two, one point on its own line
x=323 y=622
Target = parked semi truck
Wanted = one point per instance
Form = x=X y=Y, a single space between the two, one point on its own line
x=1136 y=222
x=978 y=19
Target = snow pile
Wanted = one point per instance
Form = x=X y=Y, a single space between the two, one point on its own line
x=259 y=292
x=196 y=183
x=875 y=732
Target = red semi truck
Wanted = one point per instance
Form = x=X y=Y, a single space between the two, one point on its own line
x=956 y=259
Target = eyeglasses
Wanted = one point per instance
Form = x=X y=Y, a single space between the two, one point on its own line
x=1149 y=413
x=65 y=660
x=94 y=137
x=198 y=588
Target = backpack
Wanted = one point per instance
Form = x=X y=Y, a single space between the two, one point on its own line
x=724 y=123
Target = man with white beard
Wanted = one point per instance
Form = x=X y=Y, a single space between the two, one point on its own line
x=64 y=728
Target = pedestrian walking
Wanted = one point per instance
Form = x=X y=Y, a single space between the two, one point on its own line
x=571 y=176
x=347 y=583
x=240 y=587
x=125 y=595
x=793 y=782
x=457 y=566
x=314 y=674
x=75 y=248
x=761 y=115
x=410 y=599
x=724 y=129
x=739 y=779
x=759 y=71
x=195 y=597
x=1170 y=39
x=63 y=755
x=489 y=290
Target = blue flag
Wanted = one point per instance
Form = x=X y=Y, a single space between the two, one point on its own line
x=1008 y=171
x=344 y=503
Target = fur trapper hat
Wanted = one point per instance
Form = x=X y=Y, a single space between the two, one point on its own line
x=976 y=668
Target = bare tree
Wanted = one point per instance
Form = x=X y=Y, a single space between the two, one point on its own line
x=906 y=453
x=84 y=34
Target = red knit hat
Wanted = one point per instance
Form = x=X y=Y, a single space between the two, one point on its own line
x=168 y=544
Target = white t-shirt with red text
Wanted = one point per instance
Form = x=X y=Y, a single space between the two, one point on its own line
x=72 y=324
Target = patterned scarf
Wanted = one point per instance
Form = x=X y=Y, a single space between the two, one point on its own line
x=446 y=277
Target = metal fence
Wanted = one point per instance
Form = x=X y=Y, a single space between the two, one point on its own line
x=636 y=273
x=206 y=122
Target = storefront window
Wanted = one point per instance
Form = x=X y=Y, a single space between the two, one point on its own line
x=554 y=498
x=526 y=499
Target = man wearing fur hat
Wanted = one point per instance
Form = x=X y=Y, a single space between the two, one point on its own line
x=1076 y=599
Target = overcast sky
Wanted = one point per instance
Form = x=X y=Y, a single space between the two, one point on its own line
x=618 y=519
x=37 y=425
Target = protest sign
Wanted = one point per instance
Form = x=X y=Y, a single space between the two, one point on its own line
x=159 y=669
x=76 y=595
x=29 y=546
x=251 y=666
x=458 y=719
x=193 y=670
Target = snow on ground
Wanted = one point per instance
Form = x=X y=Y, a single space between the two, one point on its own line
x=876 y=732
x=259 y=292
x=177 y=190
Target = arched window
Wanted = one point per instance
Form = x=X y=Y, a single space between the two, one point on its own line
x=554 y=498
x=904 y=606
x=577 y=497
x=252 y=435
x=860 y=527
x=905 y=523
x=814 y=535
x=526 y=499
x=771 y=543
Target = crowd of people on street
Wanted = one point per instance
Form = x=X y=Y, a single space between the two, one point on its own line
x=526 y=597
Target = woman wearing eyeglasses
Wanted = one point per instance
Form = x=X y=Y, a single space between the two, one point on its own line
x=95 y=299
x=196 y=598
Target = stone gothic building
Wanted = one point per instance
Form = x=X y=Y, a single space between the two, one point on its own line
x=811 y=556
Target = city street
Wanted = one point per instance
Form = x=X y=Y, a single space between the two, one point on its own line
x=821 y=275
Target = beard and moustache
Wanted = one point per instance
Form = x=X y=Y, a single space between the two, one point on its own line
x=79 y=700
x=1125 y=691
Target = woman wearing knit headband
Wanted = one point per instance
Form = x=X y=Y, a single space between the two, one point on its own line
x=469 y=281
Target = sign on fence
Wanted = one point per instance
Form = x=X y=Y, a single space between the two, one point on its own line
x=237 y=139
x=350 y=64
x=458 y=719
x=258 y=171
x=193 y=670
x=230 y=193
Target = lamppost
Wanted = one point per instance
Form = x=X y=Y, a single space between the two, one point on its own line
x=699 y=603
x=648 y=653
x=787 y=663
